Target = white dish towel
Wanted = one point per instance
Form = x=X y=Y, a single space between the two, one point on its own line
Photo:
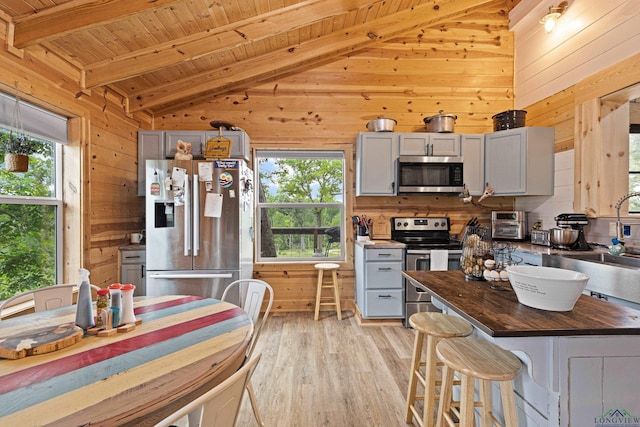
x=439 y=260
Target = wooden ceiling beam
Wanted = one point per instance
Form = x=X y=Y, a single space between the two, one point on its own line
x=257 y=70
x=224 y=37
x=58 y=21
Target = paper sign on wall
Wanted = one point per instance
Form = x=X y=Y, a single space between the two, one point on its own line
x=213 y=205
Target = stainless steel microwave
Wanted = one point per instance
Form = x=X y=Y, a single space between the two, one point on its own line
x=429 y=174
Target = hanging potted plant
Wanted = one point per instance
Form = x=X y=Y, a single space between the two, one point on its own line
x=17 y=149
x=16 y=145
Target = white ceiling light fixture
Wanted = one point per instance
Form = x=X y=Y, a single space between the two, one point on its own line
x=549 y=20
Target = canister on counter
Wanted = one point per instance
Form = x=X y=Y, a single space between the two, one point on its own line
x=102 y=305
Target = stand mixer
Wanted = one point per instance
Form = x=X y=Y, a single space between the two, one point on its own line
x=577 y=221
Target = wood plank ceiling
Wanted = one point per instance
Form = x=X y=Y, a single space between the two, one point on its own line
x=167 y=54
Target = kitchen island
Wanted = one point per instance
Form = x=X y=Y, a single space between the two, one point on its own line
x=581 y=366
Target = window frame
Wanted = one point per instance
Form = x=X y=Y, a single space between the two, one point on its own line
x=341 y=205
x=56 y=201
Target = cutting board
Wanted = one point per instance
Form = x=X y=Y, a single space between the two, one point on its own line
x=40 y=341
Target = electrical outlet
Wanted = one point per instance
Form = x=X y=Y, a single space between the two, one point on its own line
x=612 y=229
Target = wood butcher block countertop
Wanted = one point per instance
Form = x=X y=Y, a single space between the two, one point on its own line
x=499 y=314
x=380 y=244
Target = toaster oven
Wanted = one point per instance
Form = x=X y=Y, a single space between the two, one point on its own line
x=508 y=225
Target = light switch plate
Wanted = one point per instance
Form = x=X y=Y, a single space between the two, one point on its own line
x=612 y=229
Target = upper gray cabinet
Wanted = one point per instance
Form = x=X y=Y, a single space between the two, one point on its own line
x=150 y=147
x=198 y=140
x=157 y=144
x=514 y=162
x=429 y=144
x=473 y=163
x=376 y=155
x=519 y=162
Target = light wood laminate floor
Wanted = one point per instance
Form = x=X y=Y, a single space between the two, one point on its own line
x=330 y=372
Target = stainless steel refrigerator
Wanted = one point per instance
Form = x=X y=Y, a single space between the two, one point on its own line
x=199 y=226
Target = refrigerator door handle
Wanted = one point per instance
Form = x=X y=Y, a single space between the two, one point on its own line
x=196 y=215
x=187 y=217
x=192 y=276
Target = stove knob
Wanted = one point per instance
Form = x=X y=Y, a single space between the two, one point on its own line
x=406 y=224
x=398 y=224
x=436 y=224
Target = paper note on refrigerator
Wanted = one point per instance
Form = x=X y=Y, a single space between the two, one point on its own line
x=213 y=205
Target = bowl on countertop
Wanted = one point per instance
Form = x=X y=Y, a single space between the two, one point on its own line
x=547 y=288
x=563 y=237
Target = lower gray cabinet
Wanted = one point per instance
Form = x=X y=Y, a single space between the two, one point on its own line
x=379 y=285
x=133 y=270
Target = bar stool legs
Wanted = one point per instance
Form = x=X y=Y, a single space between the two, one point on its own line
x=321 y=267
x=433 y=327
x=482 y=360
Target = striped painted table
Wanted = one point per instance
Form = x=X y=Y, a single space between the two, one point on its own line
x=184 y=346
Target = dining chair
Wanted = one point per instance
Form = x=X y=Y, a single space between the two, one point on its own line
x=252 y=295
x=46 y=298
x=218 y=407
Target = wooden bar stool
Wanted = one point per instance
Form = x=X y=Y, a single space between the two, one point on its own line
x=434 y=326
x=328 y=266
x=473 y=358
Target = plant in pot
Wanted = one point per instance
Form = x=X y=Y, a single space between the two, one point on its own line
x=17 y=149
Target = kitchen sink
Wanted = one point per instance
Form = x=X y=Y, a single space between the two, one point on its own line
x=610 y=275
x=626 y=260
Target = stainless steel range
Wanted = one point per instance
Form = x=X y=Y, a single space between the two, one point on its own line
x=423 y=236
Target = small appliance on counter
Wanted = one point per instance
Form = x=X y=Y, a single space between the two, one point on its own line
x=508 y=225
x=540 y=237
x=575 y=221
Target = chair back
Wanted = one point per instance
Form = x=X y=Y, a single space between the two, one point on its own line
x=252 y=295
x=218 y=407
x=46 y=298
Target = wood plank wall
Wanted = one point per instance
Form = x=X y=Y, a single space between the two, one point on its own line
x=102 y=155
x=464 y=68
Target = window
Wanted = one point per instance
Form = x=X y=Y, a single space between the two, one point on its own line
x=634 y=167
x=300 y=209
x=31 y=204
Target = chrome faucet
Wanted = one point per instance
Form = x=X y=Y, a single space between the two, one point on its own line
x=619 y=234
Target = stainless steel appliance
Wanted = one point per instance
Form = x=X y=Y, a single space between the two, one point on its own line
x=576 y=221
x=423 y=237
x=540 y=237
x=429 y=174
x=508 y=225
x=198 y=226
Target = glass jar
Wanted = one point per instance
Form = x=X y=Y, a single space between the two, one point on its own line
x=102 y=306
x=476 y=249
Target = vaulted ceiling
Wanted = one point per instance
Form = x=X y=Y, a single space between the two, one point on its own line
x=166 y=54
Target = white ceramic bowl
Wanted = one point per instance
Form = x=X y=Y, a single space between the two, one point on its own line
x=547 y=288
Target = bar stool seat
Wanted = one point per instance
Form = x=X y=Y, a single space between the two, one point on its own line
x=320 y=300
x=482 y=360
x=435 y=326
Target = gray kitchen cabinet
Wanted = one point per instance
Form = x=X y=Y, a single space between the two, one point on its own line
x=198 y=140
x=379 y=285
x=376 y=155
x=133 y=270
x=150 y=147
x=157 y=144
x=429 y=144
x=519 y=162
x=239 y=143
x=473 y=163
x=195 y=137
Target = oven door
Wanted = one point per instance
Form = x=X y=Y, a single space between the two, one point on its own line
x=416 y=299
